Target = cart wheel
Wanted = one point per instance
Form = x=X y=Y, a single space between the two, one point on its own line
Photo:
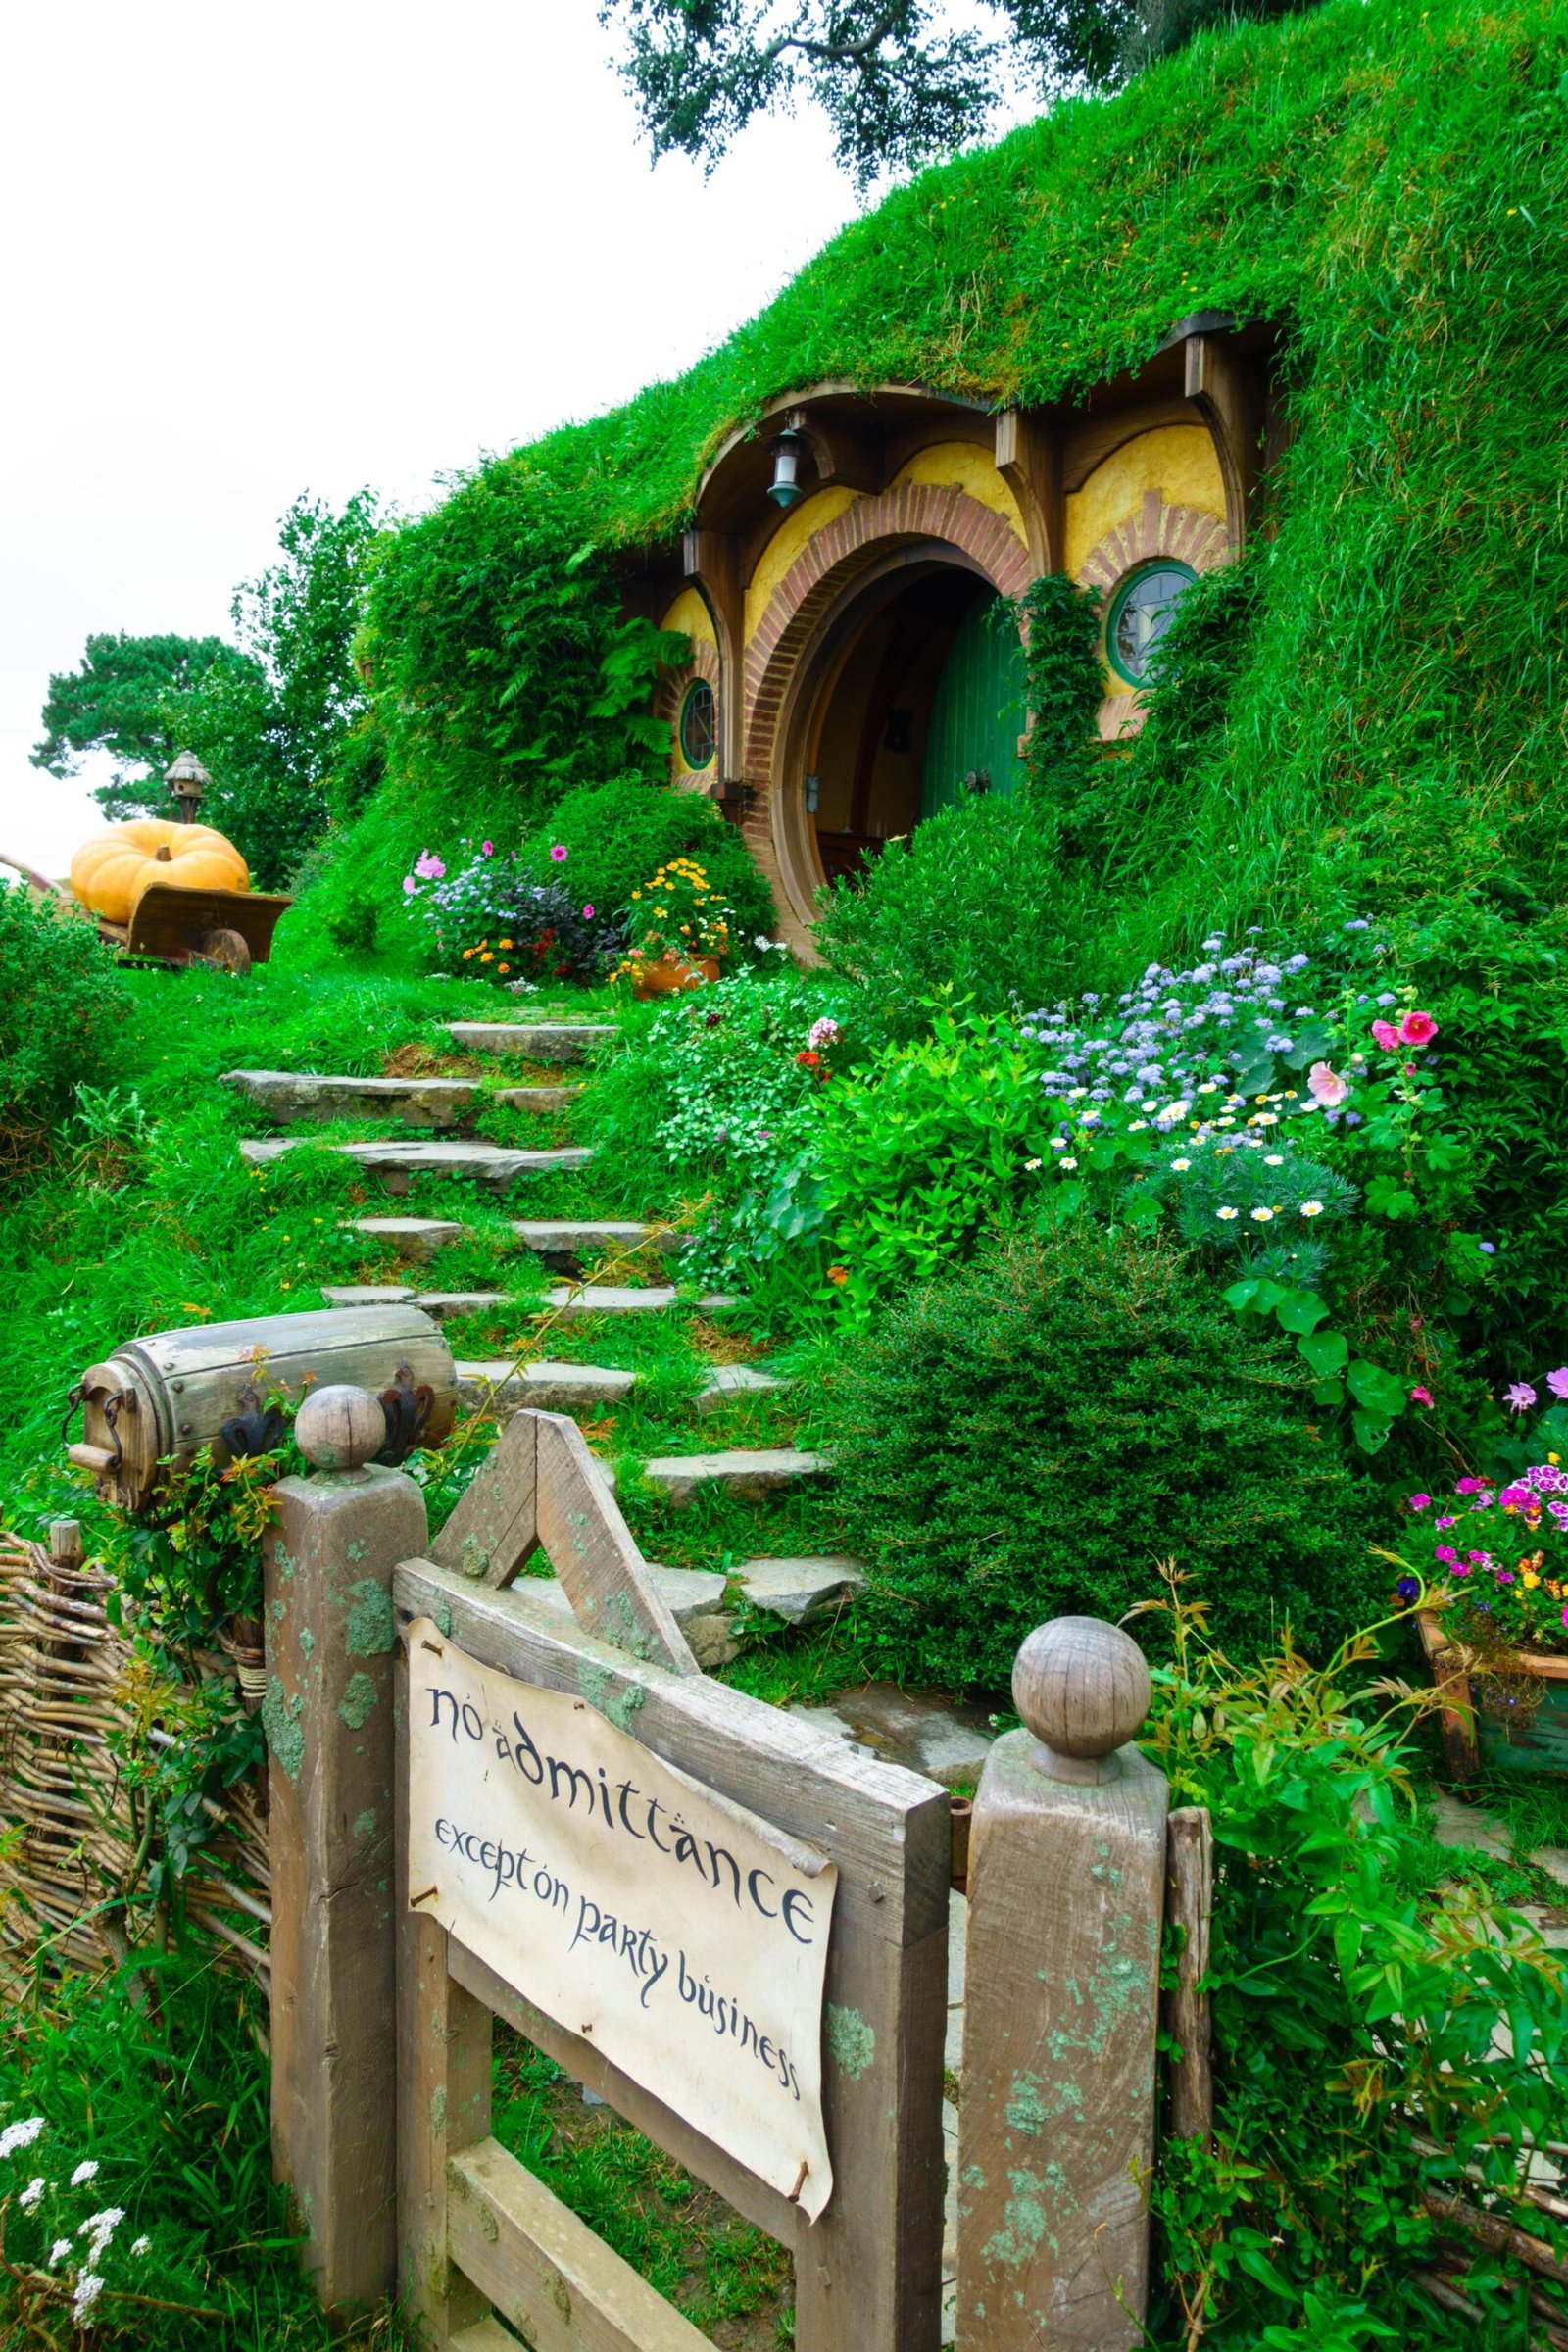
x=224 y=951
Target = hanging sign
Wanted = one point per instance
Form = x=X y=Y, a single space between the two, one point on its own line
x=682 y=1934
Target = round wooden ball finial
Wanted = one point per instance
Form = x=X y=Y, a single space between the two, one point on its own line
x=340 y=1428
x=1082 y=1687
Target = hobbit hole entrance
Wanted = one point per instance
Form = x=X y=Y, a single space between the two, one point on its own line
x=920 y=687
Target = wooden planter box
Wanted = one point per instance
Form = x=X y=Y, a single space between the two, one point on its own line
x=1472 y=1737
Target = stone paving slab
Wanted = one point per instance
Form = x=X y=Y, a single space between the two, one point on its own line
x=396 y=1161
x=537 y=1041
x=749 y=1473
x=800 y=1590
x=505 y=1389
x=925 y=1731
x=732 y=1384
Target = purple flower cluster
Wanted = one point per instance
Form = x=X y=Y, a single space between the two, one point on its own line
x=1175 y=1033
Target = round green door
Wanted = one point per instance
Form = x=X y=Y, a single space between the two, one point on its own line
x=978 y=714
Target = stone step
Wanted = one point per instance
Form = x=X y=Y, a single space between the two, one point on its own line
x=800 y=1590
x=559 y=1241
x=502 y=1388
x=565 y=1245
x=414 y=1237
x=572 y=1300
x=694 y=1595
x=536 y=1041
x=443 y=1304
x=568 y=1301
x=732 y=1384
x=751 y=1474
x=297 y=1095
x=398 y=1162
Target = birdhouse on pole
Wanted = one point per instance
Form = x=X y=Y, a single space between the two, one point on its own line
x=187 y=780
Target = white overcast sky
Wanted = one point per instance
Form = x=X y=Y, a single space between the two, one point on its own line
x=250 y=251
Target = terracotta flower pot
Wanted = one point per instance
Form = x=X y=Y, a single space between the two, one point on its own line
x=671 y=975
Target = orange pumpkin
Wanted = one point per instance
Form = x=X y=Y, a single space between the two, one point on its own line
x=110 y=872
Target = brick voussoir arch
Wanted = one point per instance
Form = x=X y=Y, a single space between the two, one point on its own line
x=852 y=542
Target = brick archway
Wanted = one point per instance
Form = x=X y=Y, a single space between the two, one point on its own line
x=933 y=517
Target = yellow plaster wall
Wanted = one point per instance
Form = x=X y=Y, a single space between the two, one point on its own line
x=801 y=523
x=1176 y=459
x=962 y=463
x=690 y=614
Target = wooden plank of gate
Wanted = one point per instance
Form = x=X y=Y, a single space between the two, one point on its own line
x=868 y=2271
x=544 y=2270
x=595 y=1553
x=752 y=2198
x=493 y=1530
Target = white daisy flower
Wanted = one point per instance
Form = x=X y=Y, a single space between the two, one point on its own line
x=1311 y=1208
x=1261 y=1216
x=1227 y=1213
x=1068 y=1162
x=1181 y=1166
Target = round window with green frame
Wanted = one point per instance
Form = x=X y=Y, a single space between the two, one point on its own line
x=1139 y=615
x=698 y=725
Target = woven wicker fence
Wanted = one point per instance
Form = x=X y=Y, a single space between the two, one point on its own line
x=73 y=1844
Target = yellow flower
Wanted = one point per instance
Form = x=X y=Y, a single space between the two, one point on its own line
x=487 y=958
x=502 y=943
x=1530 y=1582
x=503 y=967
x=467 y=952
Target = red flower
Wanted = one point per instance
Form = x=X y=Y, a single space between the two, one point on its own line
x=809 y=1061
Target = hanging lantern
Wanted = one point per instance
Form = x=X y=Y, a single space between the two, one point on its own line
x=789 y=447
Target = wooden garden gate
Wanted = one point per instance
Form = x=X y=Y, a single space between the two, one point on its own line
x=391 y=2161
x=476 y=2228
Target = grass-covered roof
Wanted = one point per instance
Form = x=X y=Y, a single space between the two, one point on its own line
x=1384 y=181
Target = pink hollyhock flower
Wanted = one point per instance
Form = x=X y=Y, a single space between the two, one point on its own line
x=428 y=866
x=409 y=886
x=1558 y=1381
x=1420 y=1395
x=1326 y=1085
x=587 y=914
x=1417 y=1029
x=489 y=847
x=1521 y=1396
x=1387 y=1034
x=557 y=855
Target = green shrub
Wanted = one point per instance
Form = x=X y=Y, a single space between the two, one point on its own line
x=975 y=902
x=64 y=1009
x=618 y=835
x=1031 y=1435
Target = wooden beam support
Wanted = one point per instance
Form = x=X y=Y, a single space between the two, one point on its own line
x=1028 y=458
x=1226 y=388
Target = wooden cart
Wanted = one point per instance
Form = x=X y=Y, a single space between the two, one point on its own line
x=227 y=929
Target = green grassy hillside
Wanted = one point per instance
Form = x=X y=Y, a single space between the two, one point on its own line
x=1385 y=181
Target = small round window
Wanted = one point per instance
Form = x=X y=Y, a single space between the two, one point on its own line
x=1139 y=615
x=697 y=726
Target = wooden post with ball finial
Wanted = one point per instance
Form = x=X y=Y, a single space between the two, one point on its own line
x=1056 y=2119
x=327 y=1714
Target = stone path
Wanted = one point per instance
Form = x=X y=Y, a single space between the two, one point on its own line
x=792 y=1589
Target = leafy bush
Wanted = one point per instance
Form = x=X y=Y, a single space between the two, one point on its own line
x=1027 y=1435
x=618 y=835
x=64 y=1009
x=1362 y=1981
x=728 y=1089
x=973 y=902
